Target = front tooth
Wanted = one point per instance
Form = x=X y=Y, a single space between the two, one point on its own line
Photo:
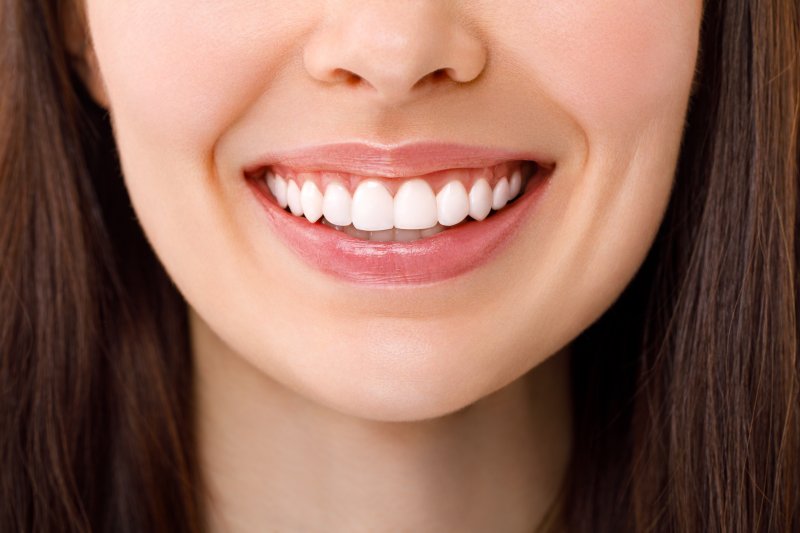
x=280 y=190
x=336 y=204
x=293 y=198
x=453 y=203
x=311 y=199
x=515 y=184
x=480 y=199
x=373 y=207
x=500 y=194
x=414 y=205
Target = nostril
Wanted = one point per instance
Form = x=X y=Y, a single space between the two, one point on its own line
x=349 y=77
x=433 y=77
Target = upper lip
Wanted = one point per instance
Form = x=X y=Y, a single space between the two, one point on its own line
x=410 y=159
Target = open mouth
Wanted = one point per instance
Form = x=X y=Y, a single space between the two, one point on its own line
x=397 y=209
x=398 y=216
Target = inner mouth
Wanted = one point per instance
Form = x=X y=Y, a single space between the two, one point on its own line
x=397 y=209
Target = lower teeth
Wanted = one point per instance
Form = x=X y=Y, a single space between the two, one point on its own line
x=397 y=234
x=393 y=234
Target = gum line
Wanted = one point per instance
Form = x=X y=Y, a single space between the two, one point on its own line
x=437 y=180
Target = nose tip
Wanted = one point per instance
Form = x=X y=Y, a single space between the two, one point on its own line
x=394 y=49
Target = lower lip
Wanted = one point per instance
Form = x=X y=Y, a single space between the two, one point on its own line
x=446 y=255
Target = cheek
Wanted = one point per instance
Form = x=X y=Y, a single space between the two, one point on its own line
x=183 y=72
x=614 y=63
x=623 y=71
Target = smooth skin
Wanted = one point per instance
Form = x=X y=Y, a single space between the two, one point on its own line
x=329 y=407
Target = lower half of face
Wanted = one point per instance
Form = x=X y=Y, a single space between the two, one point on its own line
x=410 y=283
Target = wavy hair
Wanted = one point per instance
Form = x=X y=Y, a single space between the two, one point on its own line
x=686 y=391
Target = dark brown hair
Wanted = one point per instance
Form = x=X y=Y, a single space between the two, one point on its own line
x=687 y=400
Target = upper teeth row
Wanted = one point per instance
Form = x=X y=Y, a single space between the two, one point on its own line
x=414 y=206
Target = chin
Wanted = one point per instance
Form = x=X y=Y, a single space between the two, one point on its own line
x=397 y=377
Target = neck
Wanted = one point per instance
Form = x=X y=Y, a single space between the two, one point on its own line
x=273 y=459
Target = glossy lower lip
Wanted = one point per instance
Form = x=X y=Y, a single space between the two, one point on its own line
x=444 y=256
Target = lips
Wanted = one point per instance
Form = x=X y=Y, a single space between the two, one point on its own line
x=420 y=213
x=413 y=159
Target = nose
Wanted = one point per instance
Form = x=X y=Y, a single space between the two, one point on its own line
x=394 y=48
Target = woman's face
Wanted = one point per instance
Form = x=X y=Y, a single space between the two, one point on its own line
x=198 y=91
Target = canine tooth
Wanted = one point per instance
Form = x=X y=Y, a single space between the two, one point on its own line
x=337 y=204
x=280 y=190
x=414 y=205
x=452 y=204
x=293 y=198
x=480 y=199
x=311 y=199
x=500 y=194
x=515 y=184
x=373 y=207
x=271 y=182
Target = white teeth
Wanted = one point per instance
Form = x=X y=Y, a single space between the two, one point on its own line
x=373 y=206
x=452 y=203
x=414 y=212
x=515 y=184
x=414 y=205
x=311 y=199
x=500 y=194
x=480 y=199
x=336 y=204
x=293 y=198
x=280 y=190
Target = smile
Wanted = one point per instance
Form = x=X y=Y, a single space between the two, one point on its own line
x=399 y=227
x=380 y=209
